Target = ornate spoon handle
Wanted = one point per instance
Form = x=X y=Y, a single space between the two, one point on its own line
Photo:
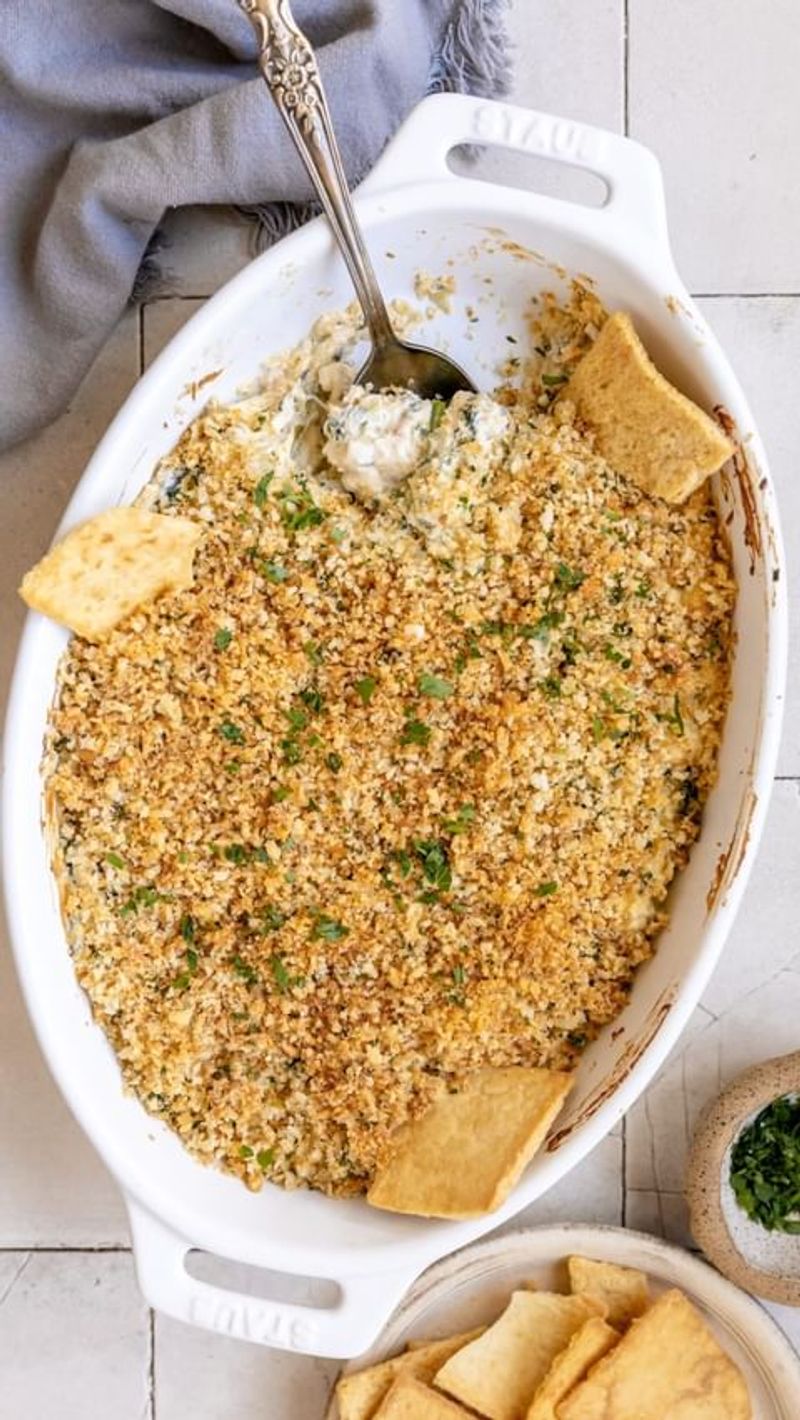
x=290 y=70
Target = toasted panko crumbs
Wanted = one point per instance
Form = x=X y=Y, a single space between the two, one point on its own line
x=396 y=791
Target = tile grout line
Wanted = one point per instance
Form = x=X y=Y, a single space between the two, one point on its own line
x=626 y=67
x=113 y=1248
x=624 y=1172
x=745 y=295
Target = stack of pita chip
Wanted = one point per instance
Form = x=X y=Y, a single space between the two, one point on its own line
x=605 y=1351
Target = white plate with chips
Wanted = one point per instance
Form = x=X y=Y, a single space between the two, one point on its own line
x=472 y=1288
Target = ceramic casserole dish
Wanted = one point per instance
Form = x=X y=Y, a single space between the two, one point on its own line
x=417 y=214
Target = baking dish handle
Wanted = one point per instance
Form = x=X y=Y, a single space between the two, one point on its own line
x=341 y=1331
x=631 y=173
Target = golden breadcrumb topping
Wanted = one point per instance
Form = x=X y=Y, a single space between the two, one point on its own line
x=397 y=789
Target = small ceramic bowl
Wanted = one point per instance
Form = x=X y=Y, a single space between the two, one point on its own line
x=763 y=1262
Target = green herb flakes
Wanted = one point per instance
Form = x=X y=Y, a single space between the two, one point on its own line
x=438 y=408
x=435 y=686
x=262 y=489
x=231 y=733
x=114 y=860
x=222 y=638
x=328 y=929
x=568 y=579
x=462 y=821
x=280 y=974
x=365 y=688
x=313 y=699
x=243 y=969
x=265 y=1158
x=765 y=1167
x=551 y=687
x=333 y=761
x=435 y=860
x=272 y=919
x=298 y=509
x=415 y=732
x=546 y=889
x=274 y=572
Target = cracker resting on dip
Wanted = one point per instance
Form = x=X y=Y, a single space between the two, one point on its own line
x=642 y=424
x=465 y=1154
x=107 y=567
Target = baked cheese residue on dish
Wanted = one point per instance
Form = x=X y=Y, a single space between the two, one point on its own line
x=396 y=791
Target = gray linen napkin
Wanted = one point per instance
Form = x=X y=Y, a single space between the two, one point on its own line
x=117 y=110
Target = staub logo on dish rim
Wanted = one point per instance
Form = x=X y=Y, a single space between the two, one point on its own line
x=252 y=1321
x=535 y=133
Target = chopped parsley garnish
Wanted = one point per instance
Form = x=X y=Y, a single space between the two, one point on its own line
x=616 y=592
x=435 y=686
x=222 y=638
x=265 y=1158
x=292 y=751
x=438 y=408
x=540 y=630
x=231 y=733
x=333 y=761
x=550 y=381
x=644 y=588
x=365 y=688
x=458 y=976
x=272 y=919
x=274 y=571
x=233 y=766
x=114 y=860
x=143 y=897
x=314 y=653
x=281 y=976
x=298 y=719
x=245 y=1152
x=618 y=658
x=298 y=510
x=546 y=889
x=313 y=699
x=461 y=822
x=403 y=862
x=551 y=687
x=243 y=968
x=261 y=490
x=765 y=1167
x=328 y=928
x=415 y=732
x=568 y=579
x=674 y=718
x=187 y=927
x=236 y=853
x=280 y=793
x=183 y=979
x=433 y=856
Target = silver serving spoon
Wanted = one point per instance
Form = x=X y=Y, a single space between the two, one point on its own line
x=289 y=67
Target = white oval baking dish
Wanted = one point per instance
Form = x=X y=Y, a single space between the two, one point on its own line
x=417 y=213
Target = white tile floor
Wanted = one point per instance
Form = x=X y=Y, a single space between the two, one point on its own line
x=711 y=85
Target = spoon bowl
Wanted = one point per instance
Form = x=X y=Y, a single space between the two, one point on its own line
x=398 y=364
x=289 y=67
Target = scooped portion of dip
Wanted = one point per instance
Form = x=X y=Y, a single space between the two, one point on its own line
x=376 y=439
